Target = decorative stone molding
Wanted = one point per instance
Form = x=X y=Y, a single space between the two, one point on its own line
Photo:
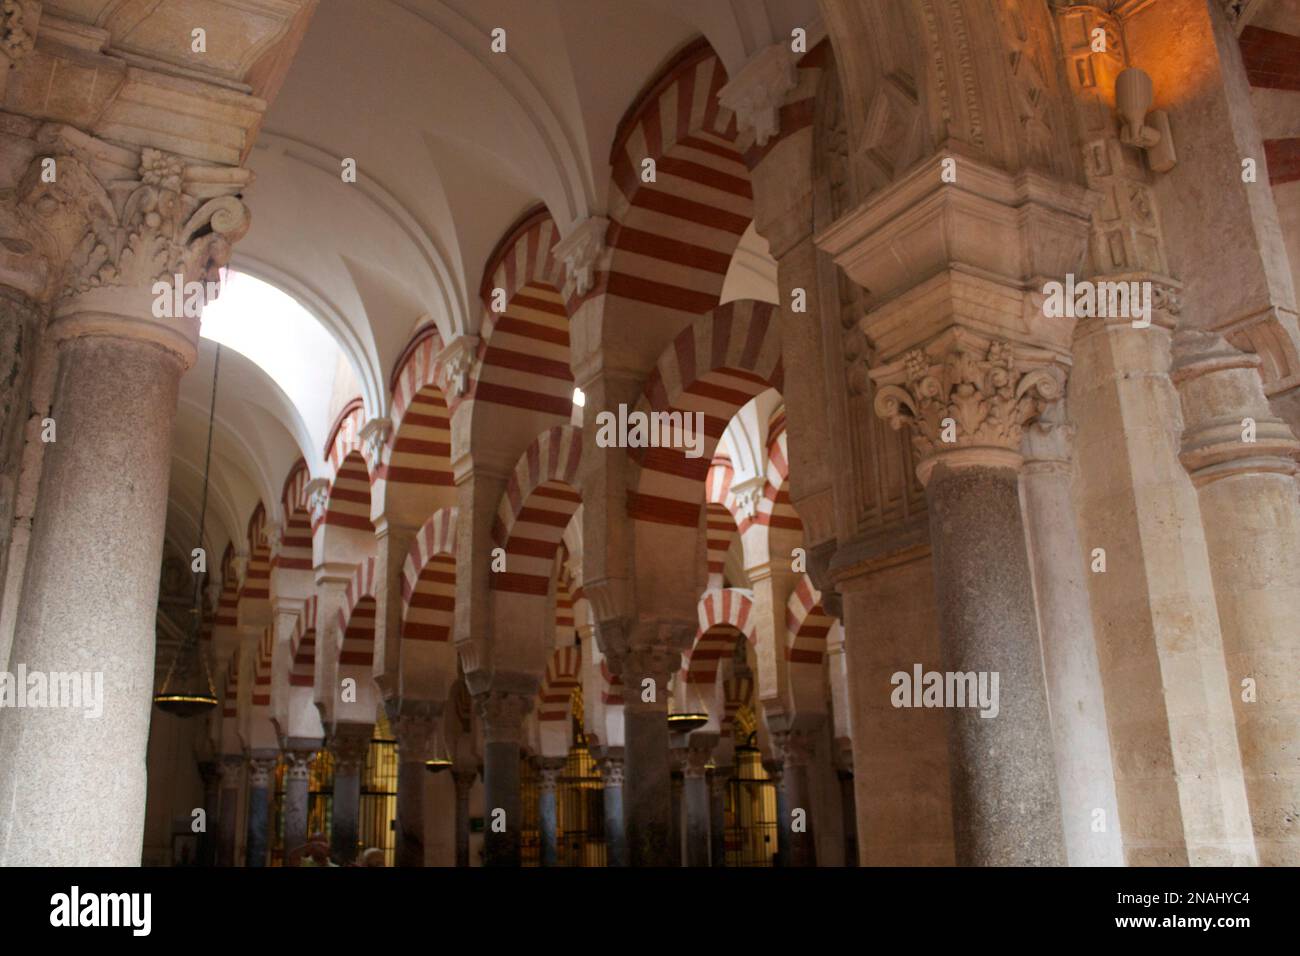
x=374 y=437
x=1222 y=394
x=759 y=89
x=977 y=394
x=454 y=363
x=580 y=251
x=502 y=714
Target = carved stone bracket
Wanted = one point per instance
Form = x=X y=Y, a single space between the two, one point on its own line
x=580 y=251
x=759 y=89
x=374 y=437
x=454 y=363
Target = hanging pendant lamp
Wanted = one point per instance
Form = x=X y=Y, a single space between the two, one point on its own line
x=187 y=689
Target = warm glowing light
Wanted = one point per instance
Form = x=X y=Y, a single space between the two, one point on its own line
x=579 y=399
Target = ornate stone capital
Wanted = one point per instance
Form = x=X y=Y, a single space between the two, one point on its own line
x=297 y=764
x=502 y=714
x=349 y=746
x=550 y=769
x=698 y=755
x=759 y=89
x=580 y=251
x=611 y=769
x=260 y=770
x=231 y=766
x=454 y=363
x=417 y=736
x=967 y=397
x=796 y=747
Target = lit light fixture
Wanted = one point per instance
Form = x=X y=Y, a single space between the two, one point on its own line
x=437 y=765
x=579 y=398
x=685 y=723
x=1134 y=95
x=187 y=689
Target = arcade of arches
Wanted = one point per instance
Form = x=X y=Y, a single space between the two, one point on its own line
x=646 y=433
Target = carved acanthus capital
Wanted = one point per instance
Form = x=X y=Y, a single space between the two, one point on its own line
x=759 y=90
x=417 y=736
x=611 y=770
x=550 y=769
x=580 y=251
x=502 y=714
x=230 y=768
x=969 y=397
x=454 y=363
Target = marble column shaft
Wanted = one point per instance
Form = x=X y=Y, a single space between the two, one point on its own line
x=502 y=714
x=647 y=790
x=548 y=815
x=796 y=754
x=697 y=806
x=259 y=811
x=297 y=777
x=611 y=768
x=464 y=780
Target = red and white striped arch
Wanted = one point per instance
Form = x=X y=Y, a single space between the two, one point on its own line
x=257 y=579
x=671 y=240
x=565 y=629
x=539 y=501
x=523 y=352
x=720 y=523
x=714 y=367
x=262 y=672
x=357 y=617
x=429 y=580
x=349 y=497
x=563 y=675
x=806 y=625
x=419 y=453
x=302 y=647
x=228 y=602
x=724 y=615
x=295 y=543
x=230 y=700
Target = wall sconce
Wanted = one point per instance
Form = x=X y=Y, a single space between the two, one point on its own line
x=1133 y=98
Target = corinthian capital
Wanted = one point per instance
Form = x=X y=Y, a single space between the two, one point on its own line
x=17 y=31
x=969 y=396
x=502 y=713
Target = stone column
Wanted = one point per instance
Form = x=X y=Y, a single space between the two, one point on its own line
x=231 y=768
x=796 y=748
x=776 y=773
x=260 y=770
x=1241 y=458
x=647 y=793
x=297 y=776
x=502 y=714
x=416 y=730
x=967 y=404
x=464 y=783
x=697 y=803
x=350 y=746
x=80 y=798
x=611 y=769
x=718 y=778
x=1084 y=771
x=548 y=815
